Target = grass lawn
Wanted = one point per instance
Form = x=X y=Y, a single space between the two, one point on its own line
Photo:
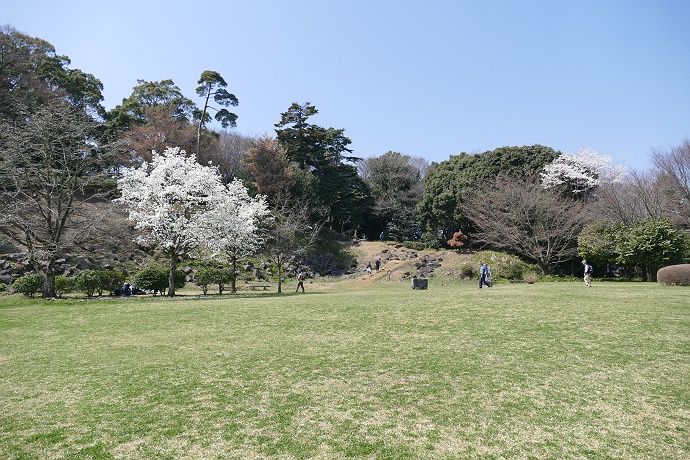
x=550 y=370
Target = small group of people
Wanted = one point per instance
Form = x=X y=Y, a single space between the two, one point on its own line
x=377 y=263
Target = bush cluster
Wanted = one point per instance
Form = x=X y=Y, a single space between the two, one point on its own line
x=505 y=266
x=156 y=280
x=88 y=281
x=64 y=284
x=28 y=284
x=211 y=275
x=674 y=275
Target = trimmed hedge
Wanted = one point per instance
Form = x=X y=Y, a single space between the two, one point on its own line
x=674 y=275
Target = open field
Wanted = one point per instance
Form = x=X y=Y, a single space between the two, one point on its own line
x=368 y=370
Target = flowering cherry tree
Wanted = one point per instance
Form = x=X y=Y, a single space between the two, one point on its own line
x=236 y=225
x=582 y=171
x=175 y=200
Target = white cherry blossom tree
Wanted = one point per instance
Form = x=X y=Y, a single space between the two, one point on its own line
x=236 y=225
x=175 y=200
x=581 y=172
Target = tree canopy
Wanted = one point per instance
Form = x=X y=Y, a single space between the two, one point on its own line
x=448 y=184
x=525 y=219
x=175 y=201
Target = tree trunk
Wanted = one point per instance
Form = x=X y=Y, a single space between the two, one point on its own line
x=49 y=284
x=48 y=277
x=280 y=276
x=171 y=275
x=233 y=280
x=201 y=123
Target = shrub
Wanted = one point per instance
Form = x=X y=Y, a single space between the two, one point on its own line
x=467 y=270
x=152 y=279
x=28 y=284
x=3 y=288
x=415 y=245
x=211 y=275
x=677 y=275
x=111 y=281
x=180 y=279
x=64 y=284
x=88 y=282
x=503 y=265
x=156 y=280
x=530 y=277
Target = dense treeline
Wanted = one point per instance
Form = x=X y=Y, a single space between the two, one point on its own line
x=62 y=153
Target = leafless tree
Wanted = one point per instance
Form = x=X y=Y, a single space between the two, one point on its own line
x=520 y=216
x=637 y=198
x=673 y=167
x=51 y=169
x=290 y=232
x=227 y=156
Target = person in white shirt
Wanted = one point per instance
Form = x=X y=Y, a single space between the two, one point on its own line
x=588 y=273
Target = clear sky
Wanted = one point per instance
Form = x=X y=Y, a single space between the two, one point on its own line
x=424 y=78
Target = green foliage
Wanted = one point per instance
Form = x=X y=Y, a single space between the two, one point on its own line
x=88 y=282
x=329 y=243
x=652 y=243
x=336 y=193
x=416 y=245
x=3 y=288
x=212 y=86
x=648 y=244
x=152 y=279
x=468 y=270
x=158 y=279
x=33 y=73
x=448 y=184
x=427 y=241
x=503 y=266
x=28 y=284
x=64 y=284
x=397 y=189
x=213 y=275
x=599 y=242
x=343 y=196
x=111 y=281
x=146 y=95
x=180 y=279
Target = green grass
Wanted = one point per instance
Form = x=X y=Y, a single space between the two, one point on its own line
x=550 y=370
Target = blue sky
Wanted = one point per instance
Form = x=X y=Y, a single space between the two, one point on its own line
x=429 y=79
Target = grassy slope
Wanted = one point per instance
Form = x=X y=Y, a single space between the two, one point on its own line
x=375 y=371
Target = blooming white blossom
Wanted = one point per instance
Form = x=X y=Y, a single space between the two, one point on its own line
x=184 y=206
x=169 y=199
x=582 y=171
x=235 y=223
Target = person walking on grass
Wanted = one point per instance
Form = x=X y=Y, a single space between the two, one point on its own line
x=300 y=281
x=588 y=273
x=484 y=273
